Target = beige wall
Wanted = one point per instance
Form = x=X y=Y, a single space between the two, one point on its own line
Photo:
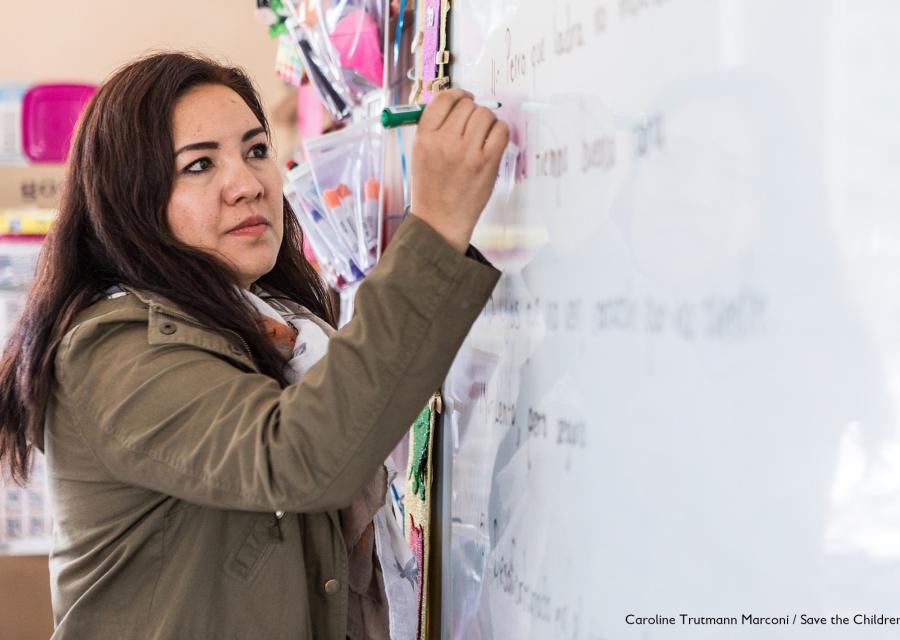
x=84 y=40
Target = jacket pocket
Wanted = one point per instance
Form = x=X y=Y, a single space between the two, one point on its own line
x=256 y=545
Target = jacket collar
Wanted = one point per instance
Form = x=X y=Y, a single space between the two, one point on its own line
x=158 y=303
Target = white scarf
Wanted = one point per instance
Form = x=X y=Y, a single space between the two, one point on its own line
x=311 y=344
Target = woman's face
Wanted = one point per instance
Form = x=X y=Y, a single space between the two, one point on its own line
x=226 y=195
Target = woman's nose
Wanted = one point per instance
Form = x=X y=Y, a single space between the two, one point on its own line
x=241 y=184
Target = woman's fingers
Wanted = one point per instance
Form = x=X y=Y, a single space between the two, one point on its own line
x=456 y=154
x=439 y=109
x=456 y=121
x=478 y=126
x=497 y=140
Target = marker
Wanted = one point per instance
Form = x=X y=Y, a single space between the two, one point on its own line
x=401 y=115
x=312 y=235
x=370 y=213
x=350 y=211
x=349 y=271
x=342 y=218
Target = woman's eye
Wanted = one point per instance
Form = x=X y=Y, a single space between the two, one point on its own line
x=198 y=166
x=260 y=150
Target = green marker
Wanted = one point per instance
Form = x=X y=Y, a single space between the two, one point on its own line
x=410 y=113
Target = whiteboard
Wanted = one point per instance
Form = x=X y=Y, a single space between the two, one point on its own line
x=680 y=407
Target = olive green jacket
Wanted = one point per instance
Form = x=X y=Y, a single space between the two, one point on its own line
x=168 y=454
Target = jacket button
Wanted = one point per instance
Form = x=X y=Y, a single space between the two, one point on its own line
x=235 y=349
x=332 y=587
x=167 y=328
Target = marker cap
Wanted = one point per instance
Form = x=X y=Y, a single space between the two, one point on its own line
x=331 y=198
x=373 y=189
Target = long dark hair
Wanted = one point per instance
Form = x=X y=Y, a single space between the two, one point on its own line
x=112 y=229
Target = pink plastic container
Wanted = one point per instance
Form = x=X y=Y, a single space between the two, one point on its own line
x=49 y=115
x=355 y=37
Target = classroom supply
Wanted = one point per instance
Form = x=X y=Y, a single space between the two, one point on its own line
x=342 y=164
x=430 y=46
x=319 y=60
x=330 y=90
x=49 y=114
x=402 y=115
x=288 y=64
x=340 y=48
x=682 y=400
x=337 y=264
x=355 y=37
x=371 y=204
x=342 y=213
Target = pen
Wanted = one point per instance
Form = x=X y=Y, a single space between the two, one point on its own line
x=410 y=113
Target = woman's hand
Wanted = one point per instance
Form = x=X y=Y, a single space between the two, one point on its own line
x=456 y=157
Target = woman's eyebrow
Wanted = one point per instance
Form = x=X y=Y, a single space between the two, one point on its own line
x=253 y=133
x=195 y=146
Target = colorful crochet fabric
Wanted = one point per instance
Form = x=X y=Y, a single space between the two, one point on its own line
x=418 y=464
x=417 y=501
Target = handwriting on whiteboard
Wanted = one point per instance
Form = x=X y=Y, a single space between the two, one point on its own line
x=733 y=317
x=534 y=597
x=568 y=33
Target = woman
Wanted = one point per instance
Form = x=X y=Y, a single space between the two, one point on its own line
x=197 y=490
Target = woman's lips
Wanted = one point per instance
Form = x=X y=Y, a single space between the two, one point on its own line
x=250 y=226
x=251 y=230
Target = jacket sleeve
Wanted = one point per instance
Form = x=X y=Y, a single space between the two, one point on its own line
x=181 y=420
